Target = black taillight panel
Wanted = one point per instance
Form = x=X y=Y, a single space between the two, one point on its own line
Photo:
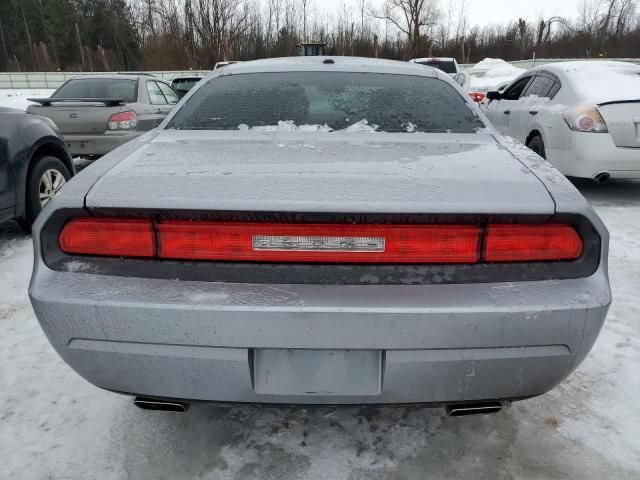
x=269 y=273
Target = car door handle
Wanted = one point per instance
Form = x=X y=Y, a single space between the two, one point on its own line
x=533 y=112
x=507 y=112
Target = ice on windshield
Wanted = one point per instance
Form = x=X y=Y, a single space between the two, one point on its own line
x=325 y=102
x=286 y=126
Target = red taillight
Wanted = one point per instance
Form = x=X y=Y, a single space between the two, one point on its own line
x=108 y=237
x=531 y=243
x=325 y=243
x=477 y=96
x=123 y=121
x=320 y=243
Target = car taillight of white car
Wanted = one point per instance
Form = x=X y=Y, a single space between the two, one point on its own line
x=585 y=119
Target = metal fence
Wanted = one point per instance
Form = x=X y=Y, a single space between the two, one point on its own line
x=52 y=80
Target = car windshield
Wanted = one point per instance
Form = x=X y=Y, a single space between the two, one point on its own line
x=447 y=66
x=184 y=84
x=327 y=101
x=116 y=88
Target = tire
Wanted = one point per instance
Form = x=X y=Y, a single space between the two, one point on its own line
x=46 y=178
x=537 y=145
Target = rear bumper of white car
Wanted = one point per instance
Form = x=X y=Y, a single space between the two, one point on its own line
x=595 y=153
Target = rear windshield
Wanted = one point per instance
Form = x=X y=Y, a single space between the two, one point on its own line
x=115 y=88
x=446 y=66
x=184 y=83
x=329 y=101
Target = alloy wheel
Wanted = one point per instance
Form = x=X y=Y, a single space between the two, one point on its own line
x=51 y=182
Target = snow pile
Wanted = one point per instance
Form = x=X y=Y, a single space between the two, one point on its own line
x=491 y=73
x=18 y=98
x=361 y=126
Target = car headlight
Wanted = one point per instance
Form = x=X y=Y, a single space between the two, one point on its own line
x=585 y=119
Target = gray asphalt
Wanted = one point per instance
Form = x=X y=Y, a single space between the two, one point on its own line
x=54 y=425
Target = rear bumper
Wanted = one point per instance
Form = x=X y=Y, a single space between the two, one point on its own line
x=595 y=153
x=98 y=144
x=438 y=343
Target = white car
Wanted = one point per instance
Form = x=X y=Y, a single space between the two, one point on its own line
x=583 y=117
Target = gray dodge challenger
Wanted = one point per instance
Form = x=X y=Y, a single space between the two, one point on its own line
x=322 y=230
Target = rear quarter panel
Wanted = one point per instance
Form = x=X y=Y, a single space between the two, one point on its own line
x=565 y=195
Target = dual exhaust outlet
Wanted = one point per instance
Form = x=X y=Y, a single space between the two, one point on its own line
x=461 y=410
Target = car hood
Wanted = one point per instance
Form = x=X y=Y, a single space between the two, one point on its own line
x=321 y=172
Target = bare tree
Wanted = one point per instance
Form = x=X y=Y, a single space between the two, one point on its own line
x=462 y=25
x=362 y=7
x=305 y=13
x=412 y=17
x=445 y=27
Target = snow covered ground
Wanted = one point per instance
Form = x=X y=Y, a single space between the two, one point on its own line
x=18 y=98
x=55 y=425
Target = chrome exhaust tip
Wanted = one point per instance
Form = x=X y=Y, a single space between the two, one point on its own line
x=602 y=177
x=160 y=405
x=464 y=410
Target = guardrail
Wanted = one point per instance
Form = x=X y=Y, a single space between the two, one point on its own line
x=52 y=80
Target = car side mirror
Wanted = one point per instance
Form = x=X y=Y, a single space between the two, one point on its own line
x=494 y=96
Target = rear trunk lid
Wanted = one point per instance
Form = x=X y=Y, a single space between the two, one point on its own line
x=312 y=172
x=78 y=117
x=623 y=121
x=614 y=87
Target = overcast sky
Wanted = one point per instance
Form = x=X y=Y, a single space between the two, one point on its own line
x=483 y=12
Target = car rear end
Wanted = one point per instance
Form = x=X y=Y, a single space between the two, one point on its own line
x=95 y=114
x=298 y=268
x=606 y=123
x=321 y=307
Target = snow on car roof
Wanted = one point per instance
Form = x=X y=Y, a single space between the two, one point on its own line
x=491 y=73
x=600 y=81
